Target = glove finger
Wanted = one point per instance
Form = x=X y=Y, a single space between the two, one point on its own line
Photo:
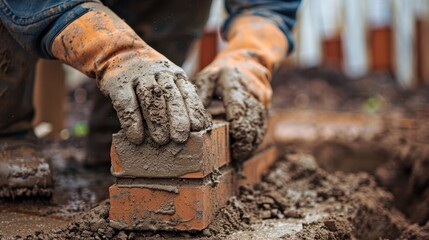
x=258 y=89
x=205 y=82
x=176 y=109
x=127 y=108
x=197 y=114
x=261 y=72
x=154 y=108
x=257 y=114
x=242 y=131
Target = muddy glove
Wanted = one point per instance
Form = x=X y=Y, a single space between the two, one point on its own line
x=142 y=84
x=240 y=75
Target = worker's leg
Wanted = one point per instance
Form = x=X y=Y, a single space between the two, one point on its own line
x=16 y=86
x=23 y=170
x=169 y=27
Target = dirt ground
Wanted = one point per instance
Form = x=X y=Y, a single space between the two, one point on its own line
x=397 y=154
x=296 y=200
x=374 y=187
x=324 y=88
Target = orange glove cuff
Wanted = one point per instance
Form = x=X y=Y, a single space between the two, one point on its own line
x=260 y=35
x=93 y=41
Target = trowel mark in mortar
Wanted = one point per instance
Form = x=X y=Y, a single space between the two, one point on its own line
x=172 y=189
x=166 y=209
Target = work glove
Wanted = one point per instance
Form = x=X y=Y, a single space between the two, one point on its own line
x=144 y=86
x=240 y=75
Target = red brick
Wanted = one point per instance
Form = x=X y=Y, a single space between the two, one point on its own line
x=188 y=201
x=255 y=167
x=184 y=204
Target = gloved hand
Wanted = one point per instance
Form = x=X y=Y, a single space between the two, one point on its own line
x=240 y=75
x=142 y=84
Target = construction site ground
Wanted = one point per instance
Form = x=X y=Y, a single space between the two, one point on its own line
x=353 y=164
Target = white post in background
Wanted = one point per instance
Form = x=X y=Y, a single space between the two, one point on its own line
x=331 y=25
x=354 y=39
x=378 y=13
x=308 y=49
x=379 y=30
x=216 y=18
x=403 y=25
x=421 y=8
x=330 y=17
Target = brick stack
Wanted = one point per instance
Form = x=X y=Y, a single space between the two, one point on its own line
x=178 y=186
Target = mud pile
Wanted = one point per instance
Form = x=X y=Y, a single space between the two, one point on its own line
x=296 y=191
x=324 y=88
x=406 y=172
x=398 y=158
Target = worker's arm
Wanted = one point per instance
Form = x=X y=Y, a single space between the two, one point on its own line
x=281 y=13
x=34 y=24
x=144 y=86
x=258 y=33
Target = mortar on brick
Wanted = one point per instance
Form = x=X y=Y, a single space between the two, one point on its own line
x=201 y=154
x=140 y=204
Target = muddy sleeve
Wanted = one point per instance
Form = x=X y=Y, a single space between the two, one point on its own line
x=34 y=24
x=281 y=12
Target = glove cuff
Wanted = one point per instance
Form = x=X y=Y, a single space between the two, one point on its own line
x=260 y=37
x=93 y=42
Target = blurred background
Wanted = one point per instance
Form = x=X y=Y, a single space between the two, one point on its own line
x=355 y=55
x=365 y=36
x=357 y=37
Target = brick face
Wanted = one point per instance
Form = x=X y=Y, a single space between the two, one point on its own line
x=256 y=166
x=144 y=200
x=191 y=207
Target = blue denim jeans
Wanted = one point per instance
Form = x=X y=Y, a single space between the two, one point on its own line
x=17 y=68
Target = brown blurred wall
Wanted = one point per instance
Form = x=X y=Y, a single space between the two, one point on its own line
x=332 y=51
x=380 y=42
x=49 y=95
x=422 y=50
x=208 y=49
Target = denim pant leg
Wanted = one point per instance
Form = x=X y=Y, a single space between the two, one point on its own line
x=17 y=69
x=169 y=27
